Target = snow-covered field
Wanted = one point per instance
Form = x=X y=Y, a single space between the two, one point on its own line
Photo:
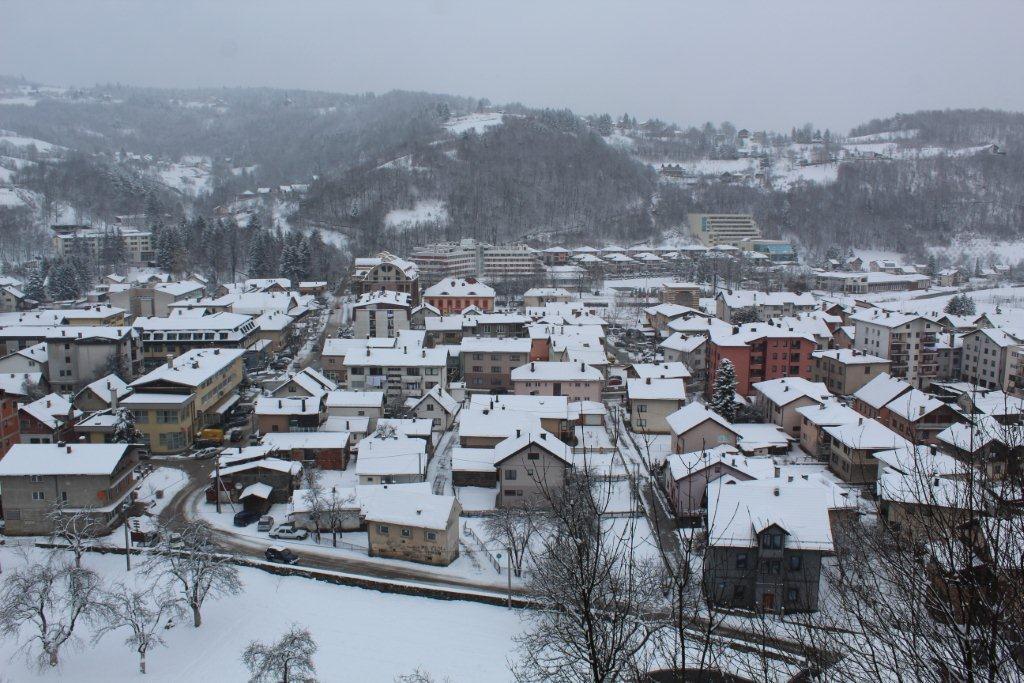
x=363 y=635
x=191 y=177
x=477 y=123
x=783 y=178
x=1008 y=253
x=8 y=197
x=14 y=140
x=424 y=211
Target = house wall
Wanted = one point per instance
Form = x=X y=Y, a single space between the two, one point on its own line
x=576 y=391
x=430 y=409
x=651 y=416
x=168 y=428
x=379 y=321
x=708 y=434
x=490 y=371
x=852 y=465
x=845 y=379
x=736 y=577
x=403 y=542
x=532 y=477
x=9 y=423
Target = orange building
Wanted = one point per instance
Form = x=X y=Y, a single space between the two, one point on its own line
x=454 y=295
x=10 y=432
x=760 y=352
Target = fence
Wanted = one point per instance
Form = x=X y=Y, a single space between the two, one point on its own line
x=483 y=548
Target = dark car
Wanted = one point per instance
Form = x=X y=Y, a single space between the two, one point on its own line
x=246 y=517
x=277 y=553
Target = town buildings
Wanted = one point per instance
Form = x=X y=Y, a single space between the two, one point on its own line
x=454 y=295
x=845 y=371
x=714 y=229
x=907 y=340
x=85 y=239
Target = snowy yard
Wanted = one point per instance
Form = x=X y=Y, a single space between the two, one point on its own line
x=477 y=123
x=363 y=635
x=168 y=481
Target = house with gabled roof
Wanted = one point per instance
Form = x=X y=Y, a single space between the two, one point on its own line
x=873 y=396
x=779 y=399
x=438 y=406
x=687 y=475
x=531 y=466
x=694 y=427
x=918 y=417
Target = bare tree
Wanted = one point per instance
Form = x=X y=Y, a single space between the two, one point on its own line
x=197 y=567
x=41 y=604
x=596 y=594
x=144 y=612
x=512 y=528
x=75 y=529
x=289 y=660
x=335 y=507
x=316 y=498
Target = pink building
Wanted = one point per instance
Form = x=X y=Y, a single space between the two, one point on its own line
x=578 y=381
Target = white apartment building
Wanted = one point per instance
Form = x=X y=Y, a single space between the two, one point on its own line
x=401 y=372
x=381 y=314
x=906 y=339
x=77 y=239
x=714 y=229
x=988 y=358
x=471 y=258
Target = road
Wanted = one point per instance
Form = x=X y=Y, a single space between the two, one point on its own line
x=185 y=506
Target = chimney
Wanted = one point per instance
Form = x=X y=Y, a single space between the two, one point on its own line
x=789 y=478
x=860 y=420
x=775 y=491
x=519 y=433
x=648 y=380
x=47 y=403
x=278 y=403
x=778 y=471
x=60 y=444
x=533 y=366
x=113 y=399
x=67 y=448
x=170 y=360
x=303 y=405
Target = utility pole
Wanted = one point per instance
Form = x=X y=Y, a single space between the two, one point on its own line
x=509 y=552
x=216 y=488
x=127 y=544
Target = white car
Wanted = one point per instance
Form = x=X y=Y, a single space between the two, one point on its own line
x=289 y=531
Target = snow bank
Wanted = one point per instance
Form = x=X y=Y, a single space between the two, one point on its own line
x=477 y=123
x=424 y=211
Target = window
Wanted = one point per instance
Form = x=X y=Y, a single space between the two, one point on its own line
x=794 y=563
x=382 y=528
x=38 y=495
x=406 y=533
x=641 y=407
x=431 y=535
x=533 y=456
x=741 y=561
x=64 y=496
x=739 y=593
x=510 y=475
x=36 y=479
x=792 y=595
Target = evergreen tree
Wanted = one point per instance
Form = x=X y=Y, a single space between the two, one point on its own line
x=63 y=282
x=961 y=304
x=933 y=265
x=35 y=287
x=113 y=253
x=124 y=429
x=261 y=261
x=723 y=394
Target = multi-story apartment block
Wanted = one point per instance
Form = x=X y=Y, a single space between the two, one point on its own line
x=766 y=305
x=172 y=402
x=77 y=356
x=844 y=371
x=578 y=381
x=386 y=271
x=93 y=478
x=866 y=283
x=714 y=229
x=488 y=362
x=381 y=314
x=681 y=293
x=761 y=352
x=905 y=339
x=86 y=239
x=179 y=334
x=986 y=358
x=153 y=298
x=9 y=423
x=470 y=258
x=401 y=372
x=453 y=295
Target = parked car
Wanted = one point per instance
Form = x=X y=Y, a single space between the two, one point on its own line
x=278 y=553
x=246 y=517
x=289 y=530
x=266 y=523
x=206 y=453
x=615 y=381
x=235 y=435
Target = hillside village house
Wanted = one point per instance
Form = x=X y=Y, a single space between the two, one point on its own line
x=296 y=414
x=400 y=372
x=652 y=400
x=30 y=359
x=687 y=475
x=49 y=419
x=814 y=440
x=532 y=467
x=766 y=542
x=986 y=356
x=323 y=450
x=276 y=331
x=152 y=298
x=391 y=459
x=174 y=401
x=97 y=478
x=854 y=446
x=766 y=305
x=386 y=271
x=918 y=417
x=873 y=396
x=332 y=356
x=779 y=399
x=844 y=371
x=695 y=428
x=760 y=352
x=541 y=296
x=306 y=382
x=681 y=293
x=368 y=404
x=577 y=381
x=413 y=526
x=555 y=413
x=79 y=355
x=454 y=295
x=101 y=394
x=381 y=314
x=438 y=406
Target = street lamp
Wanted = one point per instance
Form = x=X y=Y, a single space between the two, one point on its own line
x=125 y=506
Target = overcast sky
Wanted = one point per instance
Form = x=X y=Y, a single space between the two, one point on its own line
x=764 y=64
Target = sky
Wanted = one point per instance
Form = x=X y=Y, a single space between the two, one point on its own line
x=769 y=65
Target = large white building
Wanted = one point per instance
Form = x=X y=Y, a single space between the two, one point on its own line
x=86 y=239
x=471 y=258
x=906 y=339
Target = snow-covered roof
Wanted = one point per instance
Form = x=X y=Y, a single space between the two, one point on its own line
x=648 y=389
x=257 y=490
x=849 y=356
x=997 y=403
x=924 y=460
x=881 y=390
x=104 y=387
x=336 y=346
x=693 y=414
x=441 y=397
x=16 y=383
x=51 y=410
x=675 y=370
x=191 y=368
x=682 y=465
x=671 y=310
x=274 y=321
x=866 y=435
x=554 y=371
x=884 y=318
x=215 y=322
x=459 y=287
x=418 y=427
x=24 y=460
x=275 y=464
x=398 y=357
x=920 y=489
x=393 y=455
x=739 y=298
x=493 y=424
x=785 y=390
x=289 y=441
x=683 y=344
x=544 y=407
x=756 y=436
x=739 y=511
x=179 y=288
x=914 y=404
x=980 y=432
x=472 y=459
x=547 y=291
x=36 y=352
x=544 y=440
x=411 y=508
x=384 y=297
x=495 y=345
x=272 y=405
x=829 y=413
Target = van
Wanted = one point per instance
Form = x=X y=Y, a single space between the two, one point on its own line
x=211 y=437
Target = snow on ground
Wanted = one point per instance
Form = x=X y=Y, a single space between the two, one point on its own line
x=987 y=300
x=878 y=255
x=885 y=136
x=14 y=140
x=424 y=211
x=477 y=123
x=6 y=175
x=10 y=198
x=363 y=635
x=22 y=101
x=16 y=163
x=973 y=248
x=619 y=140
x=191 y=177
x=784 y=178
x=167 y=480
x=712 y=166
